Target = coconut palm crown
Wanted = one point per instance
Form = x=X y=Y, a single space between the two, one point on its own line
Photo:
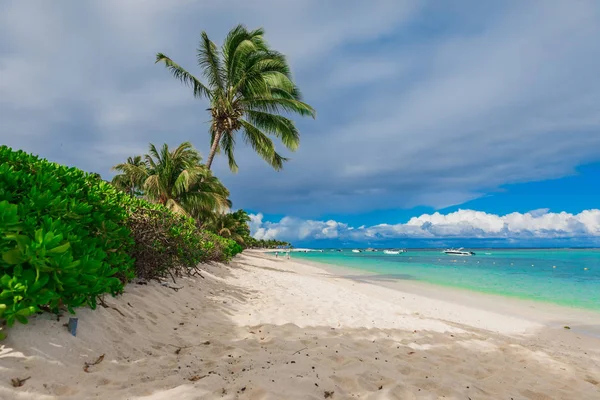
x=249 y=86
x=128 y=182
x=178 y=180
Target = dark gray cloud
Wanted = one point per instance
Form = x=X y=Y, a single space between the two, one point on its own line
x=418 y=104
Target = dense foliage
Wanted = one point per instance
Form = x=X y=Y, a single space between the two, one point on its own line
x=231 y=225
x=67 y=237
x=126 y=181
x=176 y=179
x=267 y=244
x=169 y=244
x=249 y=87
x=63 y=237
x=191 y=195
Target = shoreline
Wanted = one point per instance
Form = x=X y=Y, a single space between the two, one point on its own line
x=538 y=313
x=413 y=285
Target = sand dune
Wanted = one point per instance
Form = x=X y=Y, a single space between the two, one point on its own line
x=273 y=329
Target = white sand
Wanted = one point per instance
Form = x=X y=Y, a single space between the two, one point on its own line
x=263 y=328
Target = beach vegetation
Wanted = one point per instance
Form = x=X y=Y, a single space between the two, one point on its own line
x=250 y=91
x=168 y=244
x=232 y=225
x=63 y=237
x=176 y=179
x=68 y=237
x=267 y=244
x=127 y=179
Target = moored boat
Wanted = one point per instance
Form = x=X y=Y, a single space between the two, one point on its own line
x=458 y=252
x=394 y=251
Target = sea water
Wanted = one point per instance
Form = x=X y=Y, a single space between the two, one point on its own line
x=568 y=277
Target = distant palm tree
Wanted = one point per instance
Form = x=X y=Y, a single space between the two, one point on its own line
x=129 y=179
x=179 y=181
x=248 y=86
x=226 y=225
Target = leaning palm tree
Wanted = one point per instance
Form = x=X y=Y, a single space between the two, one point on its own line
x=248 y=86
x=179 y=181
x=129 y=179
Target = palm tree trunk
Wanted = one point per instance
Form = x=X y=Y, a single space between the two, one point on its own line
x=213 y=149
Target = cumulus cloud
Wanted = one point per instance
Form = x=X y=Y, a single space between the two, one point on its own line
x=468 y=224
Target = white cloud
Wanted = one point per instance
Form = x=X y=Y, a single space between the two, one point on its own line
x=469 y=224
x=289 y=227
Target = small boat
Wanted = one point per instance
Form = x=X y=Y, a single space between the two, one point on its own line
x=458 y=252
x=356 y=251
x=394 y=251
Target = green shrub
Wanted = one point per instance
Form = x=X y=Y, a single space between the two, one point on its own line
x=63 y=238
x=67 y=237
x=168 y=244
x=165 y=243
x=227 y=248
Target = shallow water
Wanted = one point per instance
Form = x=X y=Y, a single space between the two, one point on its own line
x=568 y=277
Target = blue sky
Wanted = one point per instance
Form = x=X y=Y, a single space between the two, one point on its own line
x=423 y=107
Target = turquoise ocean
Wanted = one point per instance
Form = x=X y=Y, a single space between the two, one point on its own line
x=567 y=277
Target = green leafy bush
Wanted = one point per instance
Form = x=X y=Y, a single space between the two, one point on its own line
x=225 y=248
x=165 y=243
x=169 y=244
x=63 y=237
x=67 y=237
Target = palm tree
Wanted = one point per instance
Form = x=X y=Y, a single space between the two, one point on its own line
x=248 y=86
x=179 y=181
x=129 y=178
x=226 y=225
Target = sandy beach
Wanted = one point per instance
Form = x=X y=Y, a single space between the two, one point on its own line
x=266 y=328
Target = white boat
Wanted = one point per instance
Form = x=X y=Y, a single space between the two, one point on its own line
x=356 y=251
x=394 y=251
x=458 y=252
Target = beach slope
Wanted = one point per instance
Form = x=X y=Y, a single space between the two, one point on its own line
x=265 y=328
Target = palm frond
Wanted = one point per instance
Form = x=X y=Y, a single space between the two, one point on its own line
x=182 y=182
x=153 y=154
x=152 y=187
x=199 y=89
x=262 y=145
x=238 y=45
x=225 y=231
x=208 y=60
x=132 y=175
x=175 y=207
x=254 y=70
x=281 y=127
x=228 y=145
x=278 y=105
